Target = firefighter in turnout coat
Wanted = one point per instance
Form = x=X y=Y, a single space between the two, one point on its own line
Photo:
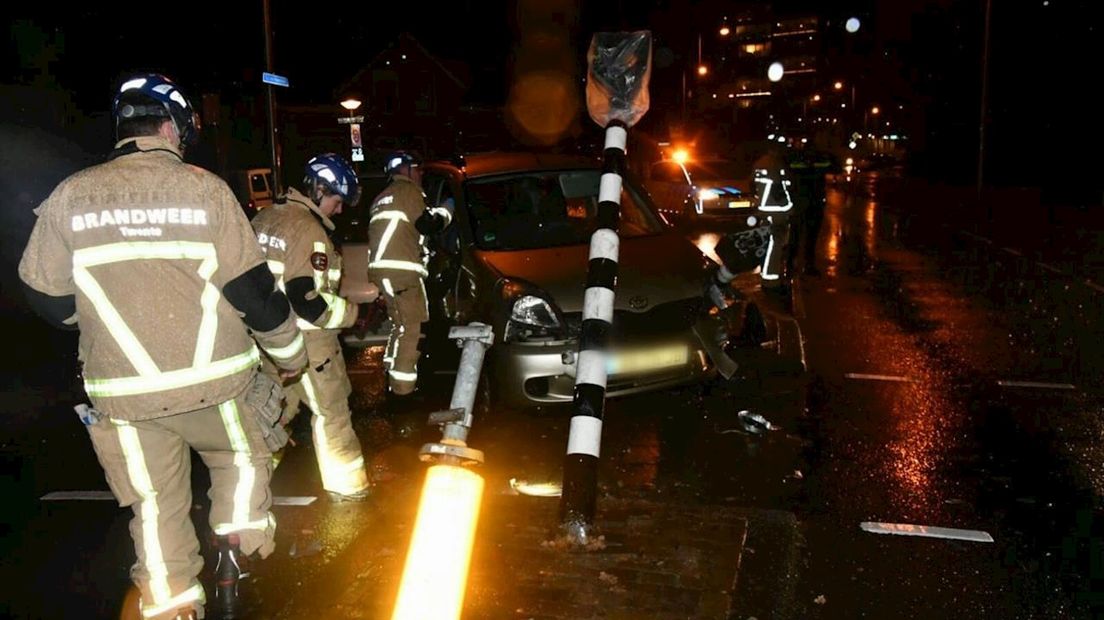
x=400 y=222
x=295 y=235
x=154 y=262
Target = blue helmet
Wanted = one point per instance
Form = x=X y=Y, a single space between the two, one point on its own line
x=152 y=94
x=329 y=173
x=398 y=159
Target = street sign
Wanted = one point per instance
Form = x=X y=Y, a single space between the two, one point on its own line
x=275 y=80
x=349 y=120
x=358 y=153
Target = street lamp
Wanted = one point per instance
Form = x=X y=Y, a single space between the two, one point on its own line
x=838 y=86
x=702 y=69
x=874 y=110
x=351 y=105
x=775 y=72
x=724 y=31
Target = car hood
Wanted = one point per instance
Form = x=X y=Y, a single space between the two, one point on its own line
x=651 y=271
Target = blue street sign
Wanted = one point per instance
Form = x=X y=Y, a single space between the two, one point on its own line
x=275 y=80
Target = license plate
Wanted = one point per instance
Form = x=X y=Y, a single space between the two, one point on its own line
x=647 y=359
x=739 y=204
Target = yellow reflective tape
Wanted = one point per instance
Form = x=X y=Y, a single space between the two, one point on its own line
x=338 y=307
x=400 y=265
x=386 y=239
x=276 y=267
x=128 y=386
x=148 y=511
x=222 y=529
x=116 y=326
x=289 y=351
x=208 y=326
x=246 y=474
x=143 y=250
x=390 y=214
x=305 y=325
x=193 y=594
x=399 y=375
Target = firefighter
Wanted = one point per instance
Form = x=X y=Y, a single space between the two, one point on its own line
x=400 y=219
x=154 y=262
x=809 y=167
x=295 y=235
x=775 y=204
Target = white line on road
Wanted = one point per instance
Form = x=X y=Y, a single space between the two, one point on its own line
x=908 y=529
x=978 y=237
x=1037 y=384
x=61 y=496
x=865 y=377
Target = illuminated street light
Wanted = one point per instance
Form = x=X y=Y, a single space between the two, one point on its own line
x=702 y=69
x=680 y=156
x=775 y=72
x=816 y=97
x=351 y=104
x=853 y=25
x=838 y=86
x=725 y=31
x=875 y=110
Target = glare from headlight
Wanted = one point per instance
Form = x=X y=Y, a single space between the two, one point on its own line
x=533 y=310
x=708 y=194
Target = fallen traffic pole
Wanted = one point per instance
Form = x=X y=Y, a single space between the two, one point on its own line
x=435 y=575
x=617 y=96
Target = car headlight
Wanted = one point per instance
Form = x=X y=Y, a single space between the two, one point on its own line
x=532 y=317
x=708 y=194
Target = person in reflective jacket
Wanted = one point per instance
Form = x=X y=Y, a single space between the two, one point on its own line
x=400 y=220
x=295 y=235
x=154 y=262
x=775 y=203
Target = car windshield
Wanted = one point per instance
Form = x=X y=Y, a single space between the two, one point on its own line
x=716 y=170
x=546 y=209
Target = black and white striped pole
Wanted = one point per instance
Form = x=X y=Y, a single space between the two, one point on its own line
x=617 y=96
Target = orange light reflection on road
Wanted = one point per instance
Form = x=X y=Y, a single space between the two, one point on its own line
x=436 y=573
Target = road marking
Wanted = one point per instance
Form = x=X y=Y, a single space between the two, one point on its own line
x=865 y=377
x=928 y=531
x=1037 y=384
x=978 y=237
x=62 y=496
x=1013 y=252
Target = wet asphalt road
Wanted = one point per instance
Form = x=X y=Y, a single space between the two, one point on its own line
x=909 y=333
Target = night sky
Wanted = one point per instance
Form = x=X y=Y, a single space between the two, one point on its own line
x=1045 y=53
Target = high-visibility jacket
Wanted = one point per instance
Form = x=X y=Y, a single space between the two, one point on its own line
x=298 y=249
x=146 y=245
x=773 y=185
x=399 y=221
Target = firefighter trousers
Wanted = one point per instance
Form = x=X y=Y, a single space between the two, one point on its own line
x=407 y=308
x=778 y=248
x=148 y=467
x=324 y=387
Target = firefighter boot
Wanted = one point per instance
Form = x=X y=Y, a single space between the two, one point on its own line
x=229 y=571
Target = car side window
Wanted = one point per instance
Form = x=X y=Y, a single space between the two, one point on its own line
x=431 y=185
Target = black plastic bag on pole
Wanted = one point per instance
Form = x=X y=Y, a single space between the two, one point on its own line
x=619 y=68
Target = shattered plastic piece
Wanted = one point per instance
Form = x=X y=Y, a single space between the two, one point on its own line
x=755 y=423
x=909 y=529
